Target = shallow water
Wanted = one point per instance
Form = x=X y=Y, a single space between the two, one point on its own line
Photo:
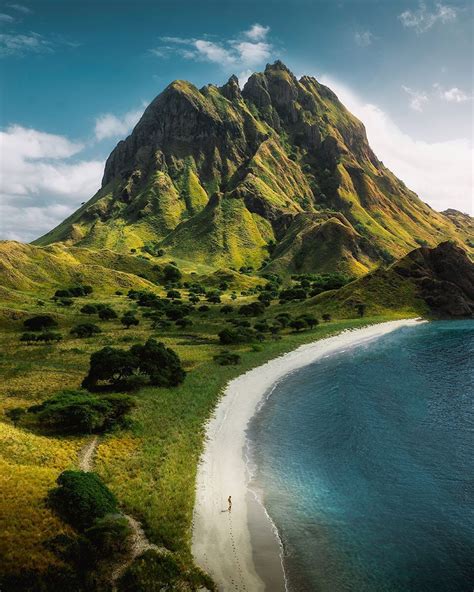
x=366 y=467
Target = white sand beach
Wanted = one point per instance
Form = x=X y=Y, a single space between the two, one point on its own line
x=222 y=543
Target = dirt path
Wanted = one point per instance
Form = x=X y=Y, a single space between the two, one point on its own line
x=139 y=542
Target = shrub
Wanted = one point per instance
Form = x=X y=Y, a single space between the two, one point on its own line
x=28 y=337
x=203 y=308
x=227 y=308
x=107 y=313
x=78 y=412
x=310 y=320
x=153 y=572
x=171 y=273
x=252 y=310
x=15 y=414
x=40 y=322
x=160 y=364
x=227 y=358
x=214 y=297
x=293 y=294
x=85 y=330
x=326 y=317
x=48 y=336
x=129 y=319
x=194 y=298
x=183 y=323
x=298 y=324
x=173 y=294
x=110 y=535
x=238 y=335
x=81 y=498
x=89 y=309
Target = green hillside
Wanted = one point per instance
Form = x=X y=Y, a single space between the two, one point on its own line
x=278 y=176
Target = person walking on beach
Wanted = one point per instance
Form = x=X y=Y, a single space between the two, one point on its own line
x=229 y=500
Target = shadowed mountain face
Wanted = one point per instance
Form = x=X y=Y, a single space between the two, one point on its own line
x=278 y=176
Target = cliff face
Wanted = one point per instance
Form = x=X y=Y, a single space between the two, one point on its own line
x=277 y=176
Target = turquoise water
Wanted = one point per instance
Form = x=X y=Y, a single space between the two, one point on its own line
x=365 y=459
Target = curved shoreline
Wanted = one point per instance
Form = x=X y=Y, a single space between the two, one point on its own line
x=224 y=544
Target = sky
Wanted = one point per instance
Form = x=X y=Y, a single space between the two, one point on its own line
x=76 y=76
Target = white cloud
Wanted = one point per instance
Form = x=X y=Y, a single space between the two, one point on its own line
x=423 y=19
x=246 y=51
x=212 y=52
x=40 y=185
x=363 y=38
x=6 y=18
x=451 y=95
x=18 y=44
x=20 y=8
x=440 y=172
x=257 y=32
x=109 y=125
x=418 y=99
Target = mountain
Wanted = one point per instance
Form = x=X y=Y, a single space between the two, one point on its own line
x=438 y=282
x=278 y=175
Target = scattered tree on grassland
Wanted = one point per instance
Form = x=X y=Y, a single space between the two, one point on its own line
x=85 y=330
x=40 y=322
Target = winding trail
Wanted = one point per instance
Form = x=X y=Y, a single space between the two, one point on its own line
x=139 y=542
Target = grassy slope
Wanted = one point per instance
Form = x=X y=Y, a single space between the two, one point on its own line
x=152 y=466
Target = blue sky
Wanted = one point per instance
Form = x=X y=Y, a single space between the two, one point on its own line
x=77 y=74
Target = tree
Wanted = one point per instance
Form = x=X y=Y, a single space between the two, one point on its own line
x=107 y=313
x=293 y=294
x=173 y=294
x=227 y=358
x=252 y=310
x=28 y=337
x=238 y=335
x=79 y=412
x=15 y=414
x=227 y=308
x=298 y=324
x=85 y=330
x=171 y=273
x=326 y=317
x=89 y=309
x=110 y=535
x=49 y=336
x=161 y=365
x=81 y=498
x=194 y=298
x=129 y=320
x=361 y=309
x=213 y=297
x=183 y=323
x=311 y=321
x=40 y=322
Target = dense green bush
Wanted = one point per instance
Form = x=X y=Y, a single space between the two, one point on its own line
x=159 y=364
x=85 y=330
x=110 y=535
x=227 y=358
x=171 y=273
x=40 y=322
x=107 y=313
x=293 y=294
x=129 y=320
x=48 y=336
x=81 y=498
x=153 y=572
x=230 y=336
x=79 y=412
x=252 y=310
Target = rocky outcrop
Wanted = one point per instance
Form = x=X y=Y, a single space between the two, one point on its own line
x=444 y=278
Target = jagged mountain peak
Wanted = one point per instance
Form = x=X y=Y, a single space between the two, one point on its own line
x=278 y=175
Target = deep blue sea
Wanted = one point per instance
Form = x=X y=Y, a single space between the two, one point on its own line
x=365 y=459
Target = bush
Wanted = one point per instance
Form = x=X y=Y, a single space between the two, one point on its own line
x=107 y=313
x=238 y=335
x=298 y=325
x=226 y=309
x=252 y=310
x=39 y=323
x=85 y=330
x=310 y=320
x=326 y=317
x=81 y=498
x=203 y=308
x=129 y=319
x=183 y=323
x=213 y=297
x=89 y=309
x=293 y=294
x=171 y=273
x=160 y=364
x=173 y=294
x=110 y=535
x=28 y=337
x=153 y=572
x=15 y=414
x=78 y=412
x=48 y=336
x=227 y=358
